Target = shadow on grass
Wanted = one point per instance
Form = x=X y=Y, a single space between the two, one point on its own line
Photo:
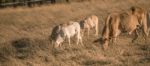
x=23 y=47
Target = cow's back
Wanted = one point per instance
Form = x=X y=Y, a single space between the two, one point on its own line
x=128 y=22
x=93 y=21
x=72 y=28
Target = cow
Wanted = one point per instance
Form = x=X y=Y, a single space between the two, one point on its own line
x=143 y=17
x=117 y=23
x=88 y=23
x=66 y=31
x=55 y=32
x=127 y=22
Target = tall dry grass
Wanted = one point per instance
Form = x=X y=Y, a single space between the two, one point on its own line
x=24 y=36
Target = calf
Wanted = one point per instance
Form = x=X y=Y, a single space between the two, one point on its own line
x=90 y=22
x=66 y=31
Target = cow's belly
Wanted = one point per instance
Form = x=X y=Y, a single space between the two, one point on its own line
x=70 y=32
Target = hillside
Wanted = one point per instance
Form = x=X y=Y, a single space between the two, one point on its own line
x=24 y=34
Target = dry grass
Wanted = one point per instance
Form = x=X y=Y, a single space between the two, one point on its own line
x=24 y=36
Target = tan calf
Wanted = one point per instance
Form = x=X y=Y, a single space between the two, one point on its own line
x=89 y=23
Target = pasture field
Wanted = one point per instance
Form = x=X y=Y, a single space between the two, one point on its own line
x=24 y=34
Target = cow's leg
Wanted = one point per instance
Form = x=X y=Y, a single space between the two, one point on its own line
x=135 y=35
x=88 y=32
x=96 y=30
x=52 y=42
x=69 y=41
x=130 y=32
x=80 y=38
x=145 y=27
x=68 y=37
x=117 y=33
x=145 y=30
x=82 y=32
x=114 y=40
x=114 y=35
x=105 y=45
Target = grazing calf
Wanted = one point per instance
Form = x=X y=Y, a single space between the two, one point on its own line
x=90 y=22
x=67 y=31
x=54 y=34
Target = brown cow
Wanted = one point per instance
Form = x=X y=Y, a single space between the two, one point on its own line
x=142 y=16
x=129 y=22
x=90 y=22
x=119 y=23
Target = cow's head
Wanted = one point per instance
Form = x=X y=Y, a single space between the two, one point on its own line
x=103 y=41
x=82 y=24
x=100 y=40
x=59 y=38
x=57 y=35
x=58 y=41
x=55 y=32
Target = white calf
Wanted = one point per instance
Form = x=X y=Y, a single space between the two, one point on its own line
x=68 y=31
